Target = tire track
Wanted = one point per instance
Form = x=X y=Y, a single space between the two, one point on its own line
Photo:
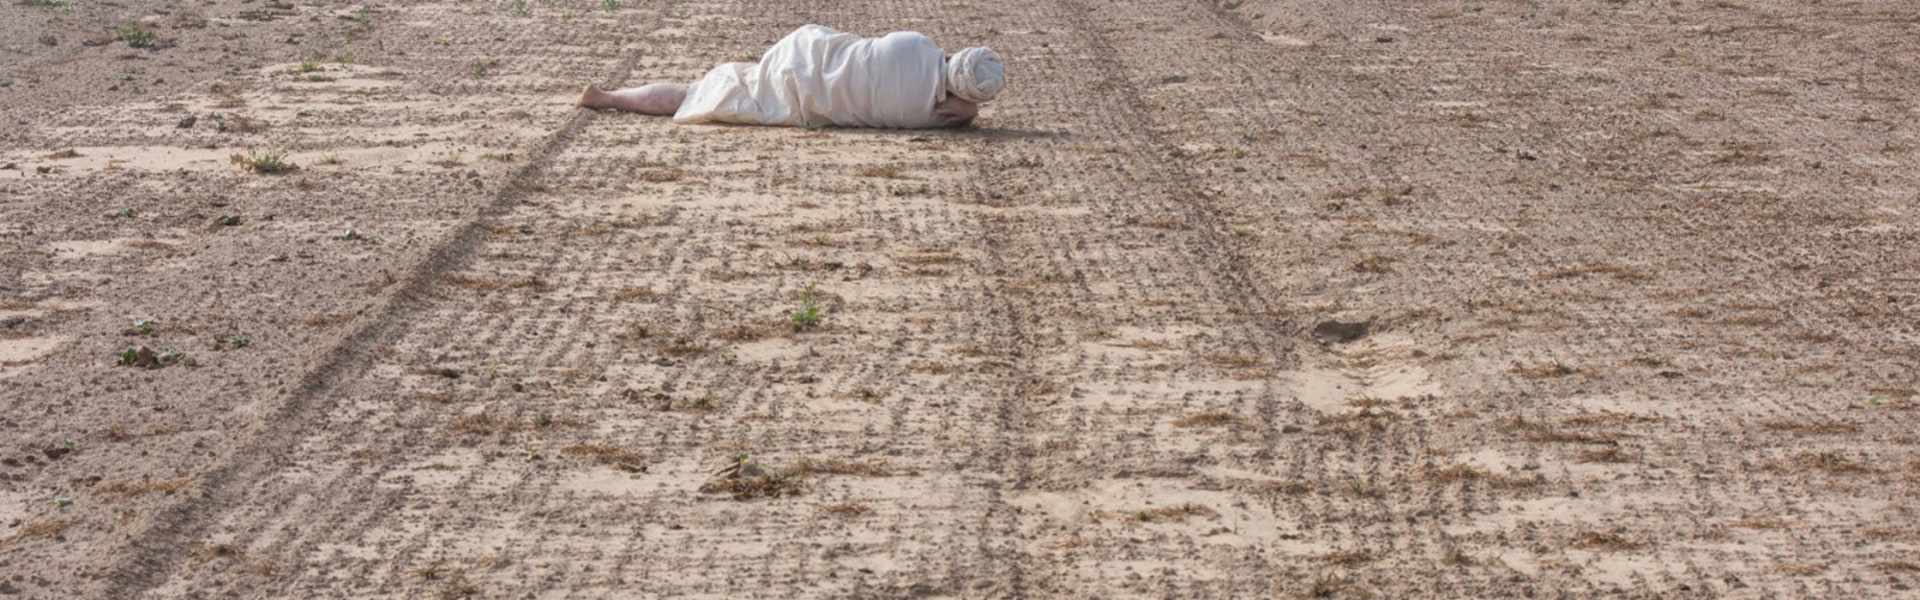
x=146 y=560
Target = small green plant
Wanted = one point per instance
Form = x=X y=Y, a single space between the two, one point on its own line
x=126 y=213
x=142 y=327
x=137 y=37
x=129 y=356
x=521 y=9
x=352 y=235
x=533 y=454
x=59 y=4
x=481 y=66
x=266 y=163
x=543 y=421
x=308 y=65
x=610 y=5
x=809 y=315
x=730 y=359
x=239 y=341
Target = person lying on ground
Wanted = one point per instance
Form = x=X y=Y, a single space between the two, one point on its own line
x=817 y=76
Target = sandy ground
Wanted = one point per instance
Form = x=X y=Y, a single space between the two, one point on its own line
x=1270 y=298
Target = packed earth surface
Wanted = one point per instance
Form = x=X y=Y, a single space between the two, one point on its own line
x=1229 y=299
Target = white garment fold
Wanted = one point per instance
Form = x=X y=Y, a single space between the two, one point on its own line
x=819 y=76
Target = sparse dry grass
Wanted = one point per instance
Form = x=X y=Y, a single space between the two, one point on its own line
x=1535 y=431
x=1469 y=474
x=117 y=490
x=1610 y=540
x=1167 y=514
x=1826 y=462
x=1542 y=370
x=1608 y=418
x=1809 y=427
x=40 y=529
x=770 y=485
x=1217 y=419
x=1618 y=273
x=482 y=283
x=1606 y=455
x=1347 y=558
x=325 y=320
x=881 y=172
x=1367 y=420
x=613 y=456
x=661 y=175
x=147 y=244
x=867 y=468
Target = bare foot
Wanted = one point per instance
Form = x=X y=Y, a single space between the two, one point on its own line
x=592 y=97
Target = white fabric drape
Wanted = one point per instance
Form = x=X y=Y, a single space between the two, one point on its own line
x=819 y=76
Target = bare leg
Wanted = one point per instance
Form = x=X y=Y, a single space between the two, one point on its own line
x=650 y=99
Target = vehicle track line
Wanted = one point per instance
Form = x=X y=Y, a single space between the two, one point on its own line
x=151 y=555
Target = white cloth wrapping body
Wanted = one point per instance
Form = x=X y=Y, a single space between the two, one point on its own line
x=819 y=76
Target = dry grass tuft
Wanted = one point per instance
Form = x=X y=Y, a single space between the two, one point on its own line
x=485 y=424
x=326 y=320
x=1535 y=431
x=771 y=485
x=146 y=244
x=534 y=284
x=1606 y=455
x=1169 y=514
x=1545 y=370
x=1830 y=462
x=1469 y=474
x=1347 y=558
x=1809 y=427
x=1611 y=540
x=613 y=456
x=869 y=468
x=1608 y=417
x=1217 y=419
x=46 y=529
x=1365 y=421
x=881 y=172
x=661 y=175
x=1280 y=488
x=756 y=330
x=1619 y=273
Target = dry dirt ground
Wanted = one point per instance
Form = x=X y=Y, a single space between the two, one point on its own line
x=1635 y=281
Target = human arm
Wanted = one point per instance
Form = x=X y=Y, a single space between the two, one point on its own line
x=955 y=112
